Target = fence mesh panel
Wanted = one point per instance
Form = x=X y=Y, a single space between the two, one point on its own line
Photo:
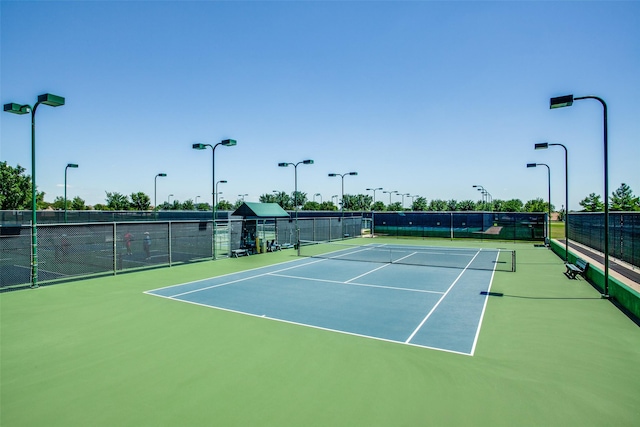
x=624 y=233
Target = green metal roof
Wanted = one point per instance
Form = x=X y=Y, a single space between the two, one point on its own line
x=260 y=210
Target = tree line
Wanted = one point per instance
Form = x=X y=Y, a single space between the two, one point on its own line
x=15 y=194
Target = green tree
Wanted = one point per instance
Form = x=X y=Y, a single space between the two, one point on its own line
x=237 y=204
x=117 y=202
x=100 y=207
x=395 y=206
x=188 y=205
x=58 y=203
x=438 y=205
x=311 y=206
x=537 y=205
x=298 y=199
x=268 y=198
x=360 y=202
x=15 y=191
x=466 y=205
x=498 y=205
x=419 y=204
x=379 y=206
x=281 y=198
x=592 y=203
x=623 y=199
x=78 y=204
x=140 y=202
x=224 y=205
x=452 y=205
x=513 y=205
x=328 y=206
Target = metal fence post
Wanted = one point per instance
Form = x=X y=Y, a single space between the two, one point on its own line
x=169 y=245
x=115 y=250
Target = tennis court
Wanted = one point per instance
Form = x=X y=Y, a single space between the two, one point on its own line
x=397 y=293
x=103 y=352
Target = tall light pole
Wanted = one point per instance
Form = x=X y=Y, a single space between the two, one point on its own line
x=242 y=195
x=404 y=194
x=533 y=165
x=317 y=194
x=544 y=146
x=390 y=193
x=155 y=190
x=223 y=181
x=200 y=146
x=196 y=203
x=295 y=193
x=51 y=101
x=169 y=199
x=567 y=101
x=372 y=209
x=342 y=175
x=69 y=165
x=481 y=189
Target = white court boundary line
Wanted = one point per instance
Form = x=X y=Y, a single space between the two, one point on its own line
x=275 y=273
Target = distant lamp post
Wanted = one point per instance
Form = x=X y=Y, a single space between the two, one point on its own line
x=223 y=181
x=404 y=194
x=533 y=165
x=544 y=146
x=169 y=199
x=372 y=209
x=295 y=192
x=317 y=194
x=69 y=165
x=200 y=146
x=390 y=193
x=567 y=101
x=342 y=175
x=155 y=190
x=242 y=196
x=482 y=191
x=196 y=203
x=52 y=101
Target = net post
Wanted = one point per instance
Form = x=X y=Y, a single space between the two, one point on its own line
x=513 y=261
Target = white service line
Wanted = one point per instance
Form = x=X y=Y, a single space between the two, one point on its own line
x=395 y=288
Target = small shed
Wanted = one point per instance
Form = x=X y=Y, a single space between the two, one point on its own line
x=259 y=224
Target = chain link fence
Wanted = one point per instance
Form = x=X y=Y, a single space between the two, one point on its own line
x=476 y=225
x=67 y=251
x=624 y=233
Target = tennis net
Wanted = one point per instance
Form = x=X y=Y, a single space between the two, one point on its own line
x=469 y=258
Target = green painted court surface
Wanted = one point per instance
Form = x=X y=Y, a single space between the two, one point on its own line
x=100 y=352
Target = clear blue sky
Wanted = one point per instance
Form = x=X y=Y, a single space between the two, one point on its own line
x=427 y=98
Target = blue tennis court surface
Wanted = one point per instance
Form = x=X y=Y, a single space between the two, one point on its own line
x=433 y=307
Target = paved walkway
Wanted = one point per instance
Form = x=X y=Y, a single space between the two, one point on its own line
x=626 y=273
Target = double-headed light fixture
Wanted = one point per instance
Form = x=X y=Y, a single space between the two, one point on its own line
x=20 y=109
x=201 y=146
